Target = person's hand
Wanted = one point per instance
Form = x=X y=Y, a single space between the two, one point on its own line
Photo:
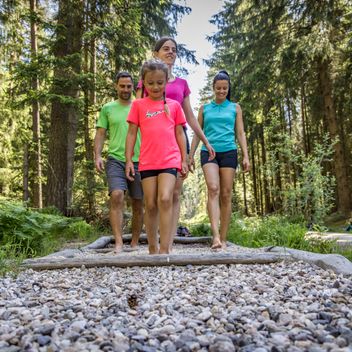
x=99 y=164
x=211 y=151
x=191 y=164
x=184 y=170
x=246 y=166
x=129 y=171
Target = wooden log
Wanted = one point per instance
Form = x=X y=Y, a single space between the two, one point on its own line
x=154 y=260
x=177 y=239
x=335 y=262
x=101 y=242
x=104 y=241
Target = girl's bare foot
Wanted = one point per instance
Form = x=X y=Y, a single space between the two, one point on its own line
x=216 y=243
x=224 y=245
x=118 y=249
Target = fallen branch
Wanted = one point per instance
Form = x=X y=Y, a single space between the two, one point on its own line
x=154 y=260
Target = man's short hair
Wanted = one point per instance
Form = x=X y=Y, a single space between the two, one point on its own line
x=123 y=74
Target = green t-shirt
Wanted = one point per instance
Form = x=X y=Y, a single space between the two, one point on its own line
x=113 y=117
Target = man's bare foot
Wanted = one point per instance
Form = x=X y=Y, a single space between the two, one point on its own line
x=216 y=243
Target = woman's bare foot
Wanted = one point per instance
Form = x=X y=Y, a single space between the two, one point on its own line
x=224 y=245
x=216 y=243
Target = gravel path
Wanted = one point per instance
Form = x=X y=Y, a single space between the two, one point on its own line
x=286 y=306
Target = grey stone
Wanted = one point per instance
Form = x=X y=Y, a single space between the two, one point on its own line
x=43 y=340
x=78 y=325
x=45 y=329
x=222 y=346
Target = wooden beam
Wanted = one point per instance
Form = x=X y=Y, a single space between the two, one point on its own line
x=123 y=261
x=103 y=241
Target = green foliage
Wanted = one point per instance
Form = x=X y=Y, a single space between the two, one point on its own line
x=29 y=233
x=275 y=231
x=200 y=229
x=313 y=194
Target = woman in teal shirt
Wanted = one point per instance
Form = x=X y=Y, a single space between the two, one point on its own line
x=221 y=121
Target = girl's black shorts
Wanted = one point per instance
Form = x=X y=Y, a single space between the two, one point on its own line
x=152 y=173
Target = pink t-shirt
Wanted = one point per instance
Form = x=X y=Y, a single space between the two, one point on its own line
x=159 y=148
x=177 y=89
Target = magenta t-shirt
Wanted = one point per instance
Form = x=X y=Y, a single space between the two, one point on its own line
x=176 y=90
x=159 y=148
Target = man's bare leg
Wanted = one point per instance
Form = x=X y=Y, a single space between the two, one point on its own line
x=116 y=217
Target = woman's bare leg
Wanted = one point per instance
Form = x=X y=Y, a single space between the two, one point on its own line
x=212 y=179
x=227 y=175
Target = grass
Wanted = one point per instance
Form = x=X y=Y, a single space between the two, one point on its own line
x=273 y=230
x=27 y=233
x=280 y=231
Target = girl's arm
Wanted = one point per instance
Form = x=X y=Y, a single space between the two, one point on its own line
x=181 y=141
x=130 y=142
x=241 y=137
x=195 y=140
x=192 y=121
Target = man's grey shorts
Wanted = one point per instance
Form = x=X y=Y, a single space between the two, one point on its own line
x=115 y=173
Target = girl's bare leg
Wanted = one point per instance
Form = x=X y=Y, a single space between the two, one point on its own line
x=226 y=182
x=212 y=179
x=176 y=207
x=150 y=190
x=166 y=185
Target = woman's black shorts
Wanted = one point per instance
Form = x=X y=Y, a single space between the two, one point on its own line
x=222 y=159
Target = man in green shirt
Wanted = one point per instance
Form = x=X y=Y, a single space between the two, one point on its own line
x=112 y=121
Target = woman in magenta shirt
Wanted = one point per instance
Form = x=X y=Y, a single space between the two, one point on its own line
x=165 y=49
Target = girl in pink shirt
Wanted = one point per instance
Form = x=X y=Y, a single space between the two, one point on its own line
x=163 y=152
x=165 y=49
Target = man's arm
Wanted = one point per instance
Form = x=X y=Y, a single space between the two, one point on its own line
x=98 y=148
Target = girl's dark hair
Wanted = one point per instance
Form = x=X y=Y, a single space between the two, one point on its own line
x=223 y=76
x=162 y=41
x=154 y=65
x=123 y=74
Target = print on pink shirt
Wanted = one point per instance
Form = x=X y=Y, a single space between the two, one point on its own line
x=154 y=113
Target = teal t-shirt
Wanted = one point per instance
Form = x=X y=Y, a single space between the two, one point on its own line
x=219 y=125
x=113 y=118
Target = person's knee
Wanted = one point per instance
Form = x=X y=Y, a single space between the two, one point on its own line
x=116 y=199
x=213 y=190
x=165 y=200
x=150 y=205
x=177 y=191
x=226 y=196
x=137 y=206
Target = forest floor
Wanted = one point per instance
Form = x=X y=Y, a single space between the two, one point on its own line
x=283 y=306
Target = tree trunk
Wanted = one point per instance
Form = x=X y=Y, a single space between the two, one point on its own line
x=25 y=172
x=65 y=105
x=303 y=110
x=254 y=177
x=265 y=181
x=343 y=187
x=260 y=183
x=245 y=194
x=36 y=163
